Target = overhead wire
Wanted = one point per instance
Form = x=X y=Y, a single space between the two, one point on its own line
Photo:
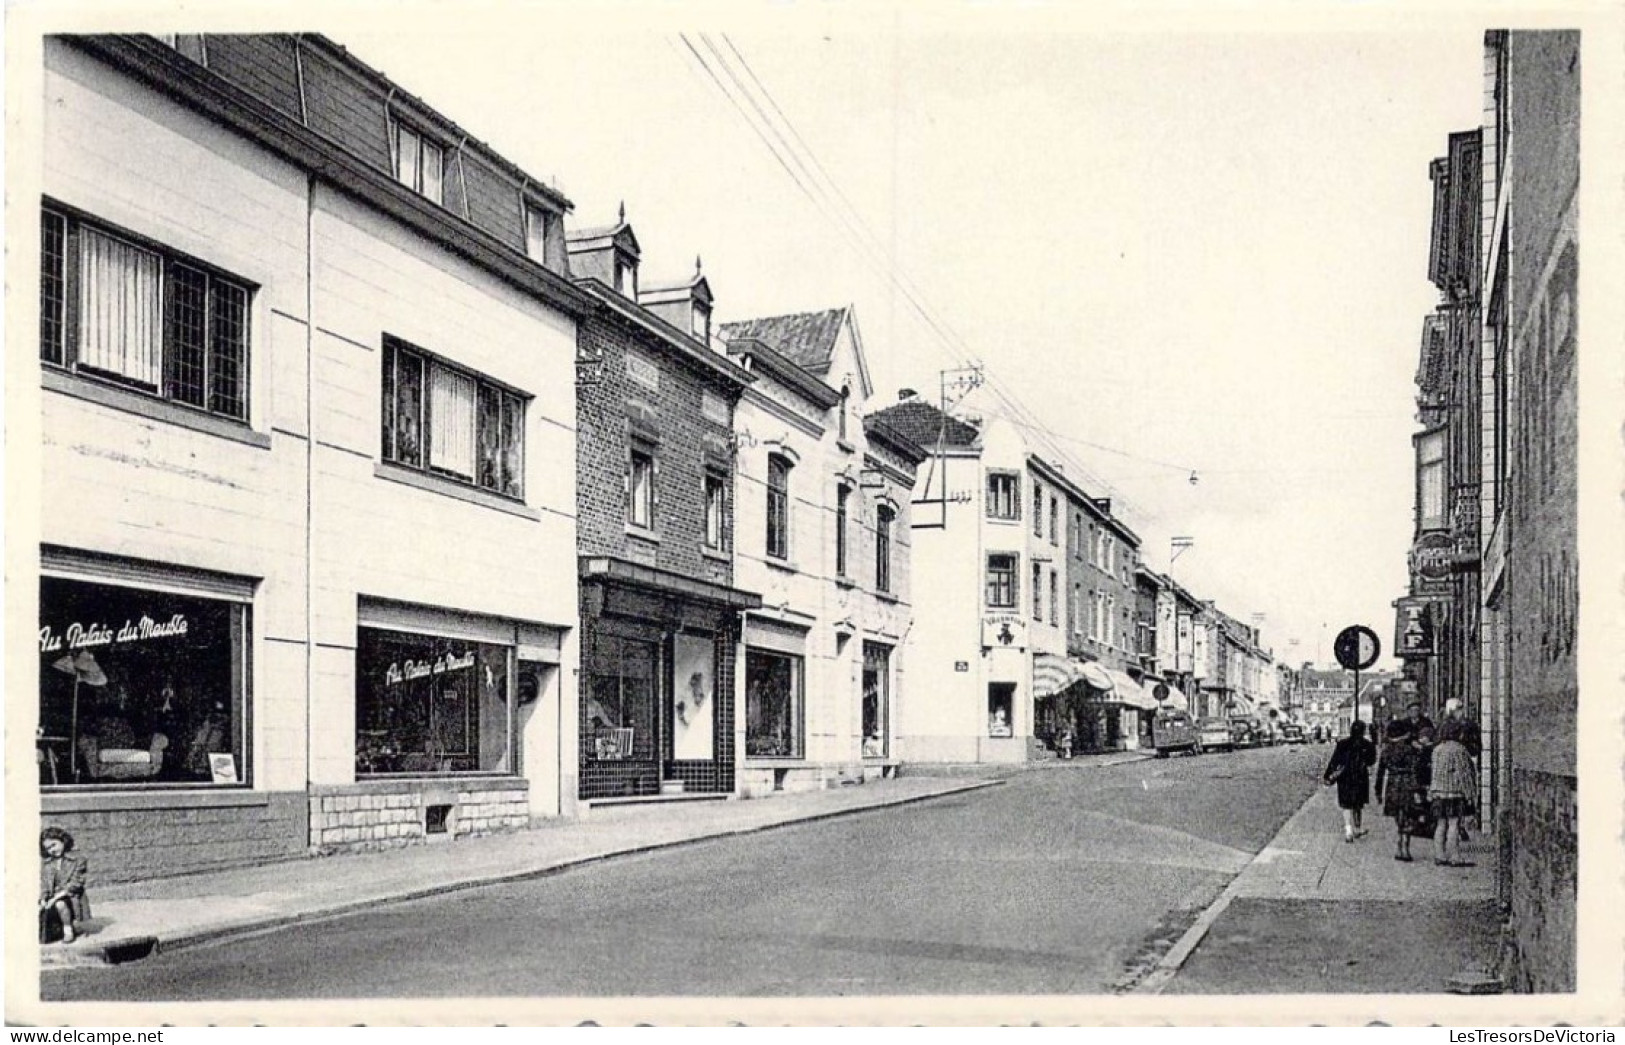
x=839 y=207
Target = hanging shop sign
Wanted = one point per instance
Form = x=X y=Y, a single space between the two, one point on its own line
x=1414 y=630
x=1004 y=629
x=1432 y=555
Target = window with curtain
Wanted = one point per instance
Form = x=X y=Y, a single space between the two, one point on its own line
x=443 y=419
x=716 y=508
x=118 y=308
x=778 y=507
x=1430 y=480
x=419 y=162
x=641 y=506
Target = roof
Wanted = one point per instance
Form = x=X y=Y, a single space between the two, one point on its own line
x=598 y=237
x=806 y=339
x=926 y=425
x=879 y=431
x=755 y=354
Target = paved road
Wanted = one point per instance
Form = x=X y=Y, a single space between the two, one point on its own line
x=1054 y=883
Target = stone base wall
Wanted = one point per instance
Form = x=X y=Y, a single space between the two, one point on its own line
x=764 y=781
x=128 y=838
x=386 y=814
x=1539 y=846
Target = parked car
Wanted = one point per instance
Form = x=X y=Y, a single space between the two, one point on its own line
x=1247 y=732
x=1213 y=734
x=1292 y=733
x=1173 y=731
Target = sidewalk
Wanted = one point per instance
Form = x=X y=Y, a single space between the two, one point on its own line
x=134 y=918
x=1313 y=914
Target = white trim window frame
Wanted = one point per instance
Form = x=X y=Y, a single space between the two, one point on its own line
x=420 y=162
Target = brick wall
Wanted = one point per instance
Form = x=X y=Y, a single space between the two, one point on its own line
x=1541 y=817
x=1542 y=571
x=125 y=845
x=603 y=451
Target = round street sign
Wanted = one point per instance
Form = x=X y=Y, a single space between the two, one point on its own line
x=1357 y=647
x=1161 y=692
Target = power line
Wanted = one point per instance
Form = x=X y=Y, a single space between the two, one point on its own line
x=857 y=232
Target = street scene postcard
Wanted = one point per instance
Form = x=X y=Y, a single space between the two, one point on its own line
x=534 y=513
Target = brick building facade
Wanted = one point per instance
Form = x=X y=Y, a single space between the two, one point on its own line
x=1530 y=571
x=655 y=522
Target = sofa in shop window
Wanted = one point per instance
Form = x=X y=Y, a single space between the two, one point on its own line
x=122 y=763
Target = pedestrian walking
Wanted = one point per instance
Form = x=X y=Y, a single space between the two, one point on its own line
x=63 y=905
x=1398 y=784
x=1450 y=790
x=1472 y=738
x=1350 y=770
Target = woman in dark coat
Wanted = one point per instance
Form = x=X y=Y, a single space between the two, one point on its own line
x=1350 y=770
x=1400 y=785
x=62 y=885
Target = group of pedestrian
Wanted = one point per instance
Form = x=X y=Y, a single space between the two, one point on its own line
x=1425 y=780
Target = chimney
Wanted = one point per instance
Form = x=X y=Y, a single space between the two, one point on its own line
x=905 y=394
x=1104 y=504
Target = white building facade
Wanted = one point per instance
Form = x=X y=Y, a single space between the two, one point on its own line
x=307 y=519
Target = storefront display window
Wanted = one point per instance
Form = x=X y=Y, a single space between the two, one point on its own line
x=140 y=687
x=772 y=705
x=426 y=704
x=876 y=698
x=1001 y=699
x=620 y=713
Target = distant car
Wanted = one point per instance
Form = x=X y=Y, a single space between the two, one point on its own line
x=1292 y=733
x=1213 y=734
x=1246 y=732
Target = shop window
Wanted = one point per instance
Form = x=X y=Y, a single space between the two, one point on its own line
x=622 y=687
x=1001 y=582
x=773 y=713
x=419 y=162
x=426 y=704
x=641 y=488
x=1001 y=702
x=778 y=507
x=138 y=314
x=876 y=699
x=1004 y=496
x=694 y=706
x=883 y=524
x=140 y=687
x=716 y=510
x=449 y=421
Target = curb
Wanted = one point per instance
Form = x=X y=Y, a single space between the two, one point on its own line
x=102 y=953
x=1168 y=965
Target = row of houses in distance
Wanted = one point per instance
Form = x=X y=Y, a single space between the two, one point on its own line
x=382 y=505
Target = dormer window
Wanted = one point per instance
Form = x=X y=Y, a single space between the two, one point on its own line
x=626 y=278
x=536 y=221
x=419 y=163
x=701 y=325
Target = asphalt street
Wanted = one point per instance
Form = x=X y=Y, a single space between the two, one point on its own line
x=1057 y=882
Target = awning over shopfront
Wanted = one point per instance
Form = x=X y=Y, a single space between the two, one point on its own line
x=1177 y=701
x=1129 y=693
x=1097 y=677
x=1052 y=673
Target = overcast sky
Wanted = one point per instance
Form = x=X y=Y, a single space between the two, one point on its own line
x=1184 y=252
